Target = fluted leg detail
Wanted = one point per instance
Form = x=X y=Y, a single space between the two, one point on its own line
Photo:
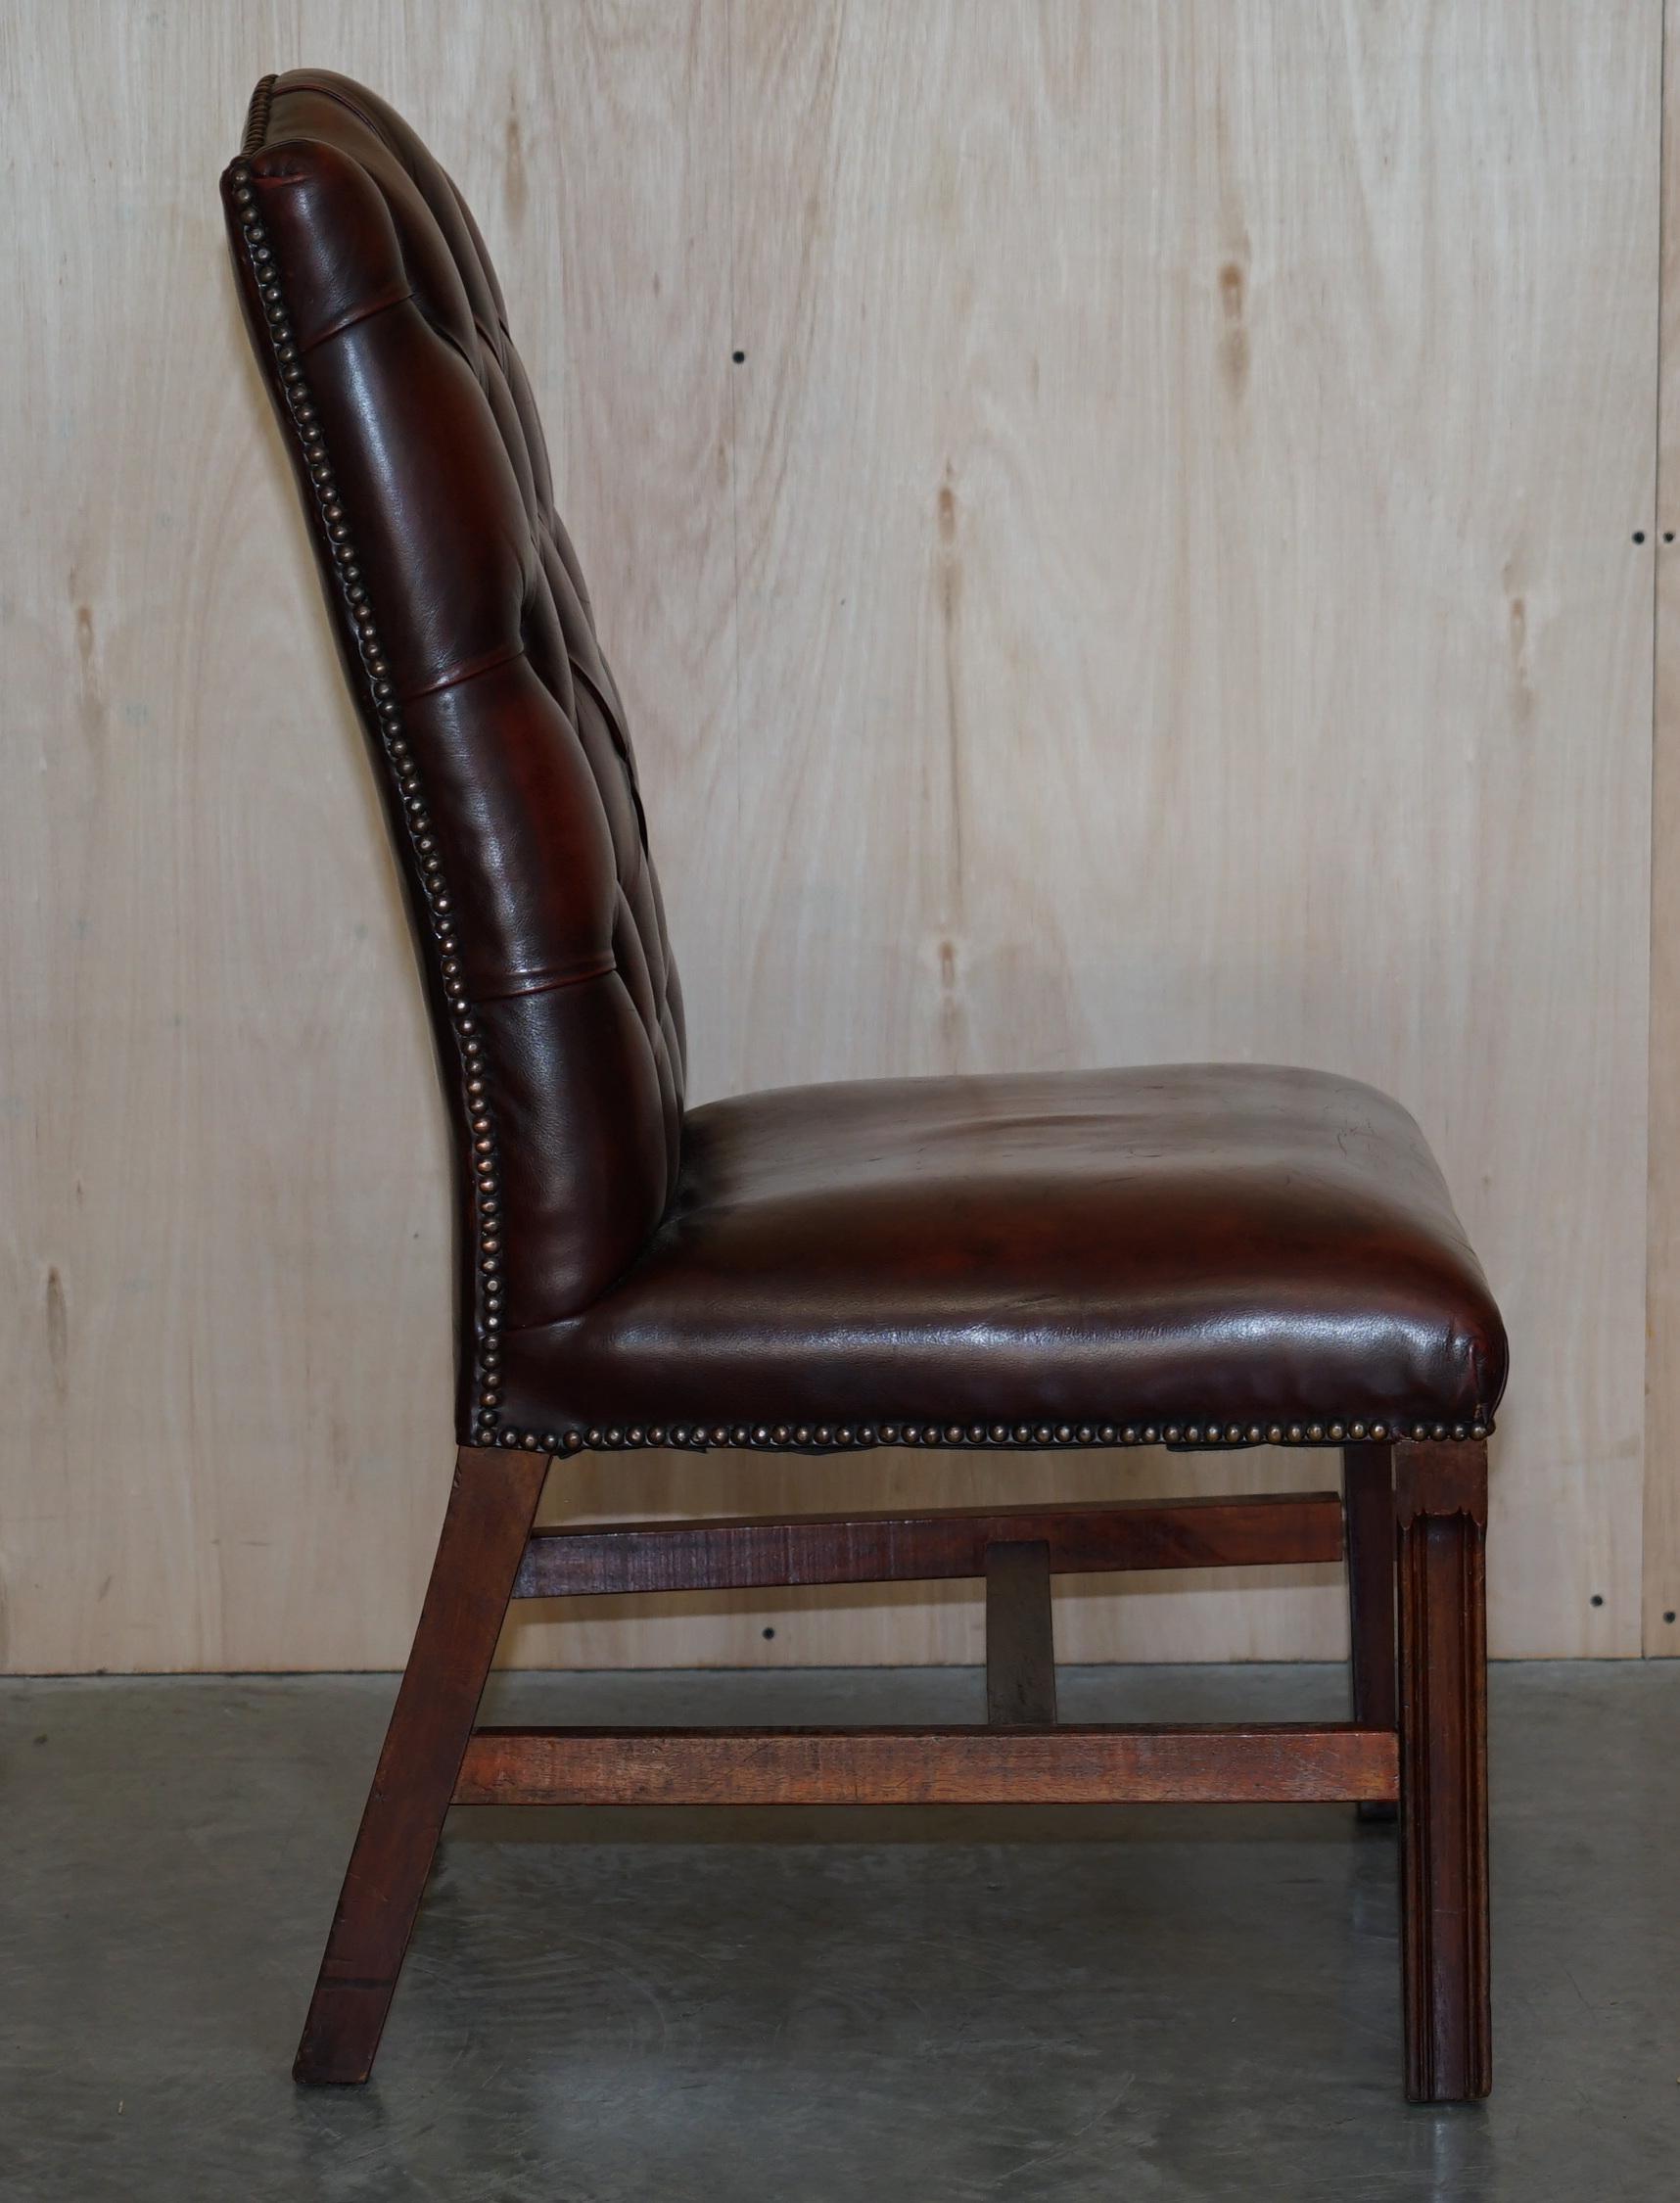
x=1440 y=1505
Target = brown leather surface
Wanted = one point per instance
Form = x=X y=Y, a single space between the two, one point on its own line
x=1175 y=1245
x=1235 y=1245
x=516 y=732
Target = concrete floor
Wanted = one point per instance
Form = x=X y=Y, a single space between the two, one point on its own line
x=1147 y=2002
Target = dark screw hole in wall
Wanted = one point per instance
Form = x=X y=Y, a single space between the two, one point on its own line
x=1669 y=1616
x=738 y=358
x=1638 y=535
x=769 y=1632
x=1597 y=1598
x=1669 y=535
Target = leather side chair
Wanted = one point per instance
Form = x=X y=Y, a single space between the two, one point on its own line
x=1202 y=1257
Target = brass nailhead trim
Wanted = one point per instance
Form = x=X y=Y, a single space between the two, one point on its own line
x=386 y=715
x=782 y=1437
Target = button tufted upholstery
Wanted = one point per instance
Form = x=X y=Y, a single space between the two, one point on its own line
x=1225 y=1251
x=488 y=665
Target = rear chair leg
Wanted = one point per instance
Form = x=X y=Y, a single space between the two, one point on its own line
x=1021 y=1636
x=492 y=1503
x=1440 y=1510
x=1367 y=1507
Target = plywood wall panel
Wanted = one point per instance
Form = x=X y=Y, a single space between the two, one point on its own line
x=1159 y=584
x=1190 y=609
x=225 y=1355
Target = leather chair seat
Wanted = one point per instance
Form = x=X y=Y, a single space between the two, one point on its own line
x=1194 y=1253
x=1205 y=1255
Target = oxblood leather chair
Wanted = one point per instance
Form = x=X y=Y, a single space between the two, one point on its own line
x=1205 y=1256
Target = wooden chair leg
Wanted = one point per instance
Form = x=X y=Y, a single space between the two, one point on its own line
x=1440 y=1509
x=1021 y=1636
x=1367 y=1504
x=492 y=1503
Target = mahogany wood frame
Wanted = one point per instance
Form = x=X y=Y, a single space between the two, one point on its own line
x=1412 y=1512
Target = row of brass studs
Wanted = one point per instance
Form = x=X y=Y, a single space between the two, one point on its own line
x=786 y=1437
x=423 y=841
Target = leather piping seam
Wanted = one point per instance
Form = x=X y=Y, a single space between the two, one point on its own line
x=257 y=116
x=1037 y=1438
x=308 y=345
x=310 y=81
x=552 y=983
x=376 y=130
x=383 y=711
x=471 y=669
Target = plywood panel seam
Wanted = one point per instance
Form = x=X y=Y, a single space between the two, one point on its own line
x=1659 y=1546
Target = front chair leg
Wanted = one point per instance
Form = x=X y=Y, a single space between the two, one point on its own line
x=1440 y=1508
x=492 y=1503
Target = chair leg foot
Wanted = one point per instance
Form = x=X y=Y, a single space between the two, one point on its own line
x=341 y=2033
x=1440 y=1502
x=492 y=1503
x=1368 y=1508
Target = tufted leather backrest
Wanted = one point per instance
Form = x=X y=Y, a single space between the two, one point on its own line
x=496 y=729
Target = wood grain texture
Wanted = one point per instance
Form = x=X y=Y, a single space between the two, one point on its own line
x=1067 y=1766
x=225 y=1349
x=1159 y=584
x=1233 y=675
x=622 y=1558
